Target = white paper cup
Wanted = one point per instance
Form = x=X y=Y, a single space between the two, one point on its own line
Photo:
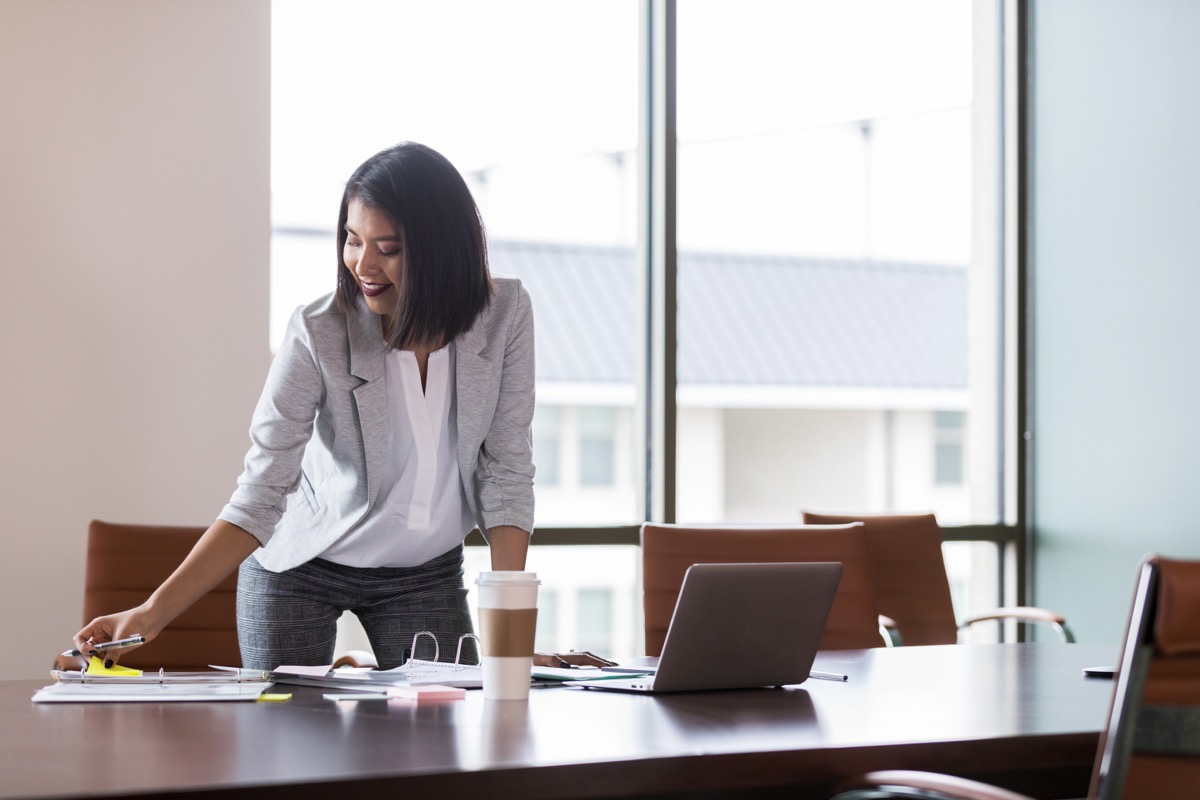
x=507 y=621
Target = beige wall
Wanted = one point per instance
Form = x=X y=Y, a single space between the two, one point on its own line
x=134 y=246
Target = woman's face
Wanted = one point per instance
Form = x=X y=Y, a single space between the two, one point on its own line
x=374 y=254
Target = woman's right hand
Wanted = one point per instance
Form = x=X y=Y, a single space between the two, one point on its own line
x=116 y=626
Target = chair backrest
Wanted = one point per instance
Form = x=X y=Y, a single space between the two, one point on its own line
x=1151 y=745
x=668 y=550
x=909 y=572
x=125 y=563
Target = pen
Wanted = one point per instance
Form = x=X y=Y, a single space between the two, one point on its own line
x=829 y=676
x=128 y=641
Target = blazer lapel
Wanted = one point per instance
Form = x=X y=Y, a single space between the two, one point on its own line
x=367 y=350
x=473 y=386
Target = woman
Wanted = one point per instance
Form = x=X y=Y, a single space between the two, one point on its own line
x=396 y=417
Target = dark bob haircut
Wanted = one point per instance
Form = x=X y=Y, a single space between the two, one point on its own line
x=446 y=282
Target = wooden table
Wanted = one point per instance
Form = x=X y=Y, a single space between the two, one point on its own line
x=1021 y=715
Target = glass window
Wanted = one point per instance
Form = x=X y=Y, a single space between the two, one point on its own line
x=546 y=637
x=948 y=448
x=544 y=126
x=547 y=440
x=973 y=569
x=563 y=570
x=597 y=445
x=838 y=204
x=595 y=620
x=835 y=163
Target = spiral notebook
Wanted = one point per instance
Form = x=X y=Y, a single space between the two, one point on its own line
x=740 y=626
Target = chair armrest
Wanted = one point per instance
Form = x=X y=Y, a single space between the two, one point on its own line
x=919 y=786
x=890 y=631
x=1024 y=614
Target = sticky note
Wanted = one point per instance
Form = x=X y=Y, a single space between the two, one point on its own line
x=96 y=667
x=274 y=698
x=426 y=692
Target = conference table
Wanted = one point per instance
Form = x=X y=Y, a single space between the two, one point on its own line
x=1018 y=715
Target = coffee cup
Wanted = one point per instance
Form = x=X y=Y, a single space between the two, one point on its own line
x=507 y=621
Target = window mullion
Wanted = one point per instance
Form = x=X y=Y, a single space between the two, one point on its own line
x=657 y=257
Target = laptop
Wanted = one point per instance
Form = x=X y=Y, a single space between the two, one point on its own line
x=740 y=626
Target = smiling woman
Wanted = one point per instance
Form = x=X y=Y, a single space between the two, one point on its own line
x=396 y=417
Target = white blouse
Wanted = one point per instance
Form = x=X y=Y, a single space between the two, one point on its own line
x=421 y=510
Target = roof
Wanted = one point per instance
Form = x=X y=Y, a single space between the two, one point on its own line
x=749 y=320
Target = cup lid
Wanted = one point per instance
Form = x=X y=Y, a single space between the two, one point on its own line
x=508 y=576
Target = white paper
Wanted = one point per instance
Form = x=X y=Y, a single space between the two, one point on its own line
x=309 y=672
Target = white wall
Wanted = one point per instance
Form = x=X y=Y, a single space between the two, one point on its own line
x=701 y=465
x=134 y=242
x=1116 y=275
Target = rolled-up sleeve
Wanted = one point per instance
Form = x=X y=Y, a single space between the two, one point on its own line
x=506 y=470
x=279 y=432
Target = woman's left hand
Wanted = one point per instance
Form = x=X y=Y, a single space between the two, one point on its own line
x=582 y=658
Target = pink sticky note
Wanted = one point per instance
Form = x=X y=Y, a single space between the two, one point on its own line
x=427 y=692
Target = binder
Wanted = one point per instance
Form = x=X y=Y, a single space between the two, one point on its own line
x=223 y=683
x=413 y=672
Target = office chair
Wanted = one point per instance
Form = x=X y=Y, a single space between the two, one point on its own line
x=125 y=563
x=1150 y=746
x=668 y=551
x=911 y=584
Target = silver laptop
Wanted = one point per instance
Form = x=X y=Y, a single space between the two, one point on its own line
x=740 y=626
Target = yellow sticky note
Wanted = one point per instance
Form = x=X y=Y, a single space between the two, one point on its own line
x=96 y=667
x=274 y=698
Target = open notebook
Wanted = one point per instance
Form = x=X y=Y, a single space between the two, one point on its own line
x=740 y=626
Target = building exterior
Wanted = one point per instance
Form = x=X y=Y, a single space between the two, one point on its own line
x=818 y=383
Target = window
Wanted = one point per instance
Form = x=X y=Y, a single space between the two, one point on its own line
x=597 y=445
x=829 y=261
x=546 y=636
x=547 y=442
x=840 y=291
x=595 y=621
x=549 y=154
x=948 y=444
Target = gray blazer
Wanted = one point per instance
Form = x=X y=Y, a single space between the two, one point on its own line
x=321 y=426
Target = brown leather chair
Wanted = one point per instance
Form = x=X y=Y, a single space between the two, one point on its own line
x=668 y=551
x=125 y=563
x=911 y=585
x=1150 y=747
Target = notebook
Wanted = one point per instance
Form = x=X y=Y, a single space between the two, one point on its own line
x=740 y=626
